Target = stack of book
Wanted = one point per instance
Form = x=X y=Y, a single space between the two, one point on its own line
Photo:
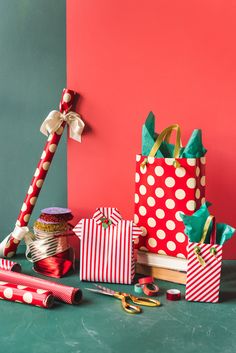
x=162 y=267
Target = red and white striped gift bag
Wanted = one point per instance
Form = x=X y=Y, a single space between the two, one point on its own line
x=106 y=253
x=204 y=270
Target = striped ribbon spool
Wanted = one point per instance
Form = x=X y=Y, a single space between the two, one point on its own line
x=50 y=253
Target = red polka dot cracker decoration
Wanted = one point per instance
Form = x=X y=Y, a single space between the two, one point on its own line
x=53 y=126
x=162 y=192
x=26 y=295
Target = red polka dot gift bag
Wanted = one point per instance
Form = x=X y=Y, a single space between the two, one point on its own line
x=165 y=188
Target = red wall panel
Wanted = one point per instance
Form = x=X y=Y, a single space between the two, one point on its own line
x=176 y=58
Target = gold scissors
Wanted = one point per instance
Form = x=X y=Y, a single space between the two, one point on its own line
x=126 y=298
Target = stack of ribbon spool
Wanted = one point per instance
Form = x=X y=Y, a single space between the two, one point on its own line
x=48 y=248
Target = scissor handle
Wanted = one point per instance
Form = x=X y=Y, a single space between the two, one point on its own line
x=130 y=308
x=144 y=301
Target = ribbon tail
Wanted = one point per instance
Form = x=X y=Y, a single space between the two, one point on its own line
x=3 y=245
x=76 y=129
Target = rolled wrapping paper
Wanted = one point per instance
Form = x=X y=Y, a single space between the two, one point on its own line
x=66 y=294
x=53 y=126
x=10 y=265
x=26 y=295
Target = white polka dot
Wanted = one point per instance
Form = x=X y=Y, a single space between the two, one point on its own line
x=151 y=160
x=182 y=256
x=151 y=201
x=142 y=211
x=143 y=248
x=39 y=183
x=50 y=137
x=151 y=222
x=170 y=225
x=170 y=204
x=52 y=148
x=136 y=218
x=191 y=161
x=150 y=180
x=171 y=245
x=43 y=155
x=170 y=182
x=143 y=169
x=191 y=183
x=36 y=172
x=26 y=217
x=159 y=171
x=159 y=192
x=152 y=242
x=137 y=177
x=136 y=241
x=11 y=253
x=33 y=200
x=21 y=287
x=197 y=194
x=18 y=223
x=161 y=252
x=161 y=234
x=203 y=180
x=142 y=189
x=180 y=172
x=41 y=291
x=27 y=297
x=138 y=157
x=160 y=213
x=67 y=97
x=198 y=170
x=203 y=200
x=180 y=194
x=30 y=190
x=60 y=130
x=180 y=237
x=144 y=231
x=136 y=198
x=191 y=205
x=3 y=283
x=46 y=165
x=177 y=216
x=24 y=207
x=8 y=293
x=203 y=160
x=169 y=161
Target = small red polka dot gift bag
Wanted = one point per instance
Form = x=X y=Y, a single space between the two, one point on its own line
x=165 y=187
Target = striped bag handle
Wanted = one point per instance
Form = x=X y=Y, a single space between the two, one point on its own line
x=165 y=136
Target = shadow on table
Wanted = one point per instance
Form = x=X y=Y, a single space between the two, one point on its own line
x=228 y=281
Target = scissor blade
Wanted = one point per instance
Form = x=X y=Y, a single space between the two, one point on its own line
x=98 y=291
x=105 y=289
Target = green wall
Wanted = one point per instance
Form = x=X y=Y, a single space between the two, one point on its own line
x=32 y=76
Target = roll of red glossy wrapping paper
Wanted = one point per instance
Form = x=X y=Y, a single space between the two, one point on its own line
x=54 y=126
x=26 y=295
x=10 y=265
x=66 y=294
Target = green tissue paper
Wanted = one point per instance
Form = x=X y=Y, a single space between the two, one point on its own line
x=194 y=227
x=193 y=149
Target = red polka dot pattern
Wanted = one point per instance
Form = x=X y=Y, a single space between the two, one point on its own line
x=162 y=192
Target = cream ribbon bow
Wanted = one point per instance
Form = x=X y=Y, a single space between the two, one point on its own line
x=55 y=119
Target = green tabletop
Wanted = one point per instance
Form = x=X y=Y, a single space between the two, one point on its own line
x=100 y=325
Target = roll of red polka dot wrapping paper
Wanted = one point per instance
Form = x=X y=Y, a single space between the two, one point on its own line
x=162 y=192
x=26 y=295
